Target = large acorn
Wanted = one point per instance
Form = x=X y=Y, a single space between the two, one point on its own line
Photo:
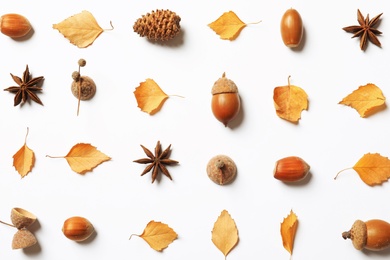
x=159 y=25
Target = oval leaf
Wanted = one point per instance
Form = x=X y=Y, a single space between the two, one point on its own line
x=225 y=233
x=24 y=159
x=289 y=102
x=288 y=228
x=150 y=96
x=373 y=169
x=228 y=26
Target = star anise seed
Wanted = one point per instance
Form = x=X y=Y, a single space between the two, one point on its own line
x=26 y=89
x=366 y=30
x=157 y=161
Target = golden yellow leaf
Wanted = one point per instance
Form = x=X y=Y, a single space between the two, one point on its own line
x=228 y=26
x=150 y=96
x=289 y=101
x=373 y=169
x=158 y=235
x=24 y=159
x=225 y=233
x=84 y=157
x=366 y=100
x=81 y=29
x=288 y=228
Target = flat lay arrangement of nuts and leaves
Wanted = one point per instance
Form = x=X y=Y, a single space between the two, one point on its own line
x=224 y=130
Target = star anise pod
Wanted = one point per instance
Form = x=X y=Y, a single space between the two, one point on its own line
x=365 y=30
x=26 y=89
x=157 y=161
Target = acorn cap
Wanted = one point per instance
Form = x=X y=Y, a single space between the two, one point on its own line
x=358 y=234
x=224 y=85
x=23 y=238
x=22 y=218
x=221 y=169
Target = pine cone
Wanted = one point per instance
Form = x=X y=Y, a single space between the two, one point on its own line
x=159 y=25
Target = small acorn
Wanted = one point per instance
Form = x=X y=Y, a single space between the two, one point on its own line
x=291 y=28
x=221 y=169
x=225 y=102
x=22 y=218
x=372 y=235
x=23 y=238
x=77 y=228
x=83 y=87
x=14 y=25
x=291 y=169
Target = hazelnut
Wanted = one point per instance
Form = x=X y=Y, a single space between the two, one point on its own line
x=221 y=169
x=291 y=169
x=14 y=25
x=77 y=228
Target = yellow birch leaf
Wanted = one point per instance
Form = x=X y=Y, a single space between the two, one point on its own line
x=228 y=26
x=366 y=100
x=225 y=233
x=150 y=96
x=158 y=235
x=83 y=158
x=288 y=228
x=81 y=29
x=289 y=102
x=373 y=169
x=24 y=159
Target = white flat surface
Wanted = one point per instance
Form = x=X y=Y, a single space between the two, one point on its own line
x=119 y=202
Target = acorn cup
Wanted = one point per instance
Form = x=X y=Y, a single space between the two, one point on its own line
x=23 y=238
x=22 y=218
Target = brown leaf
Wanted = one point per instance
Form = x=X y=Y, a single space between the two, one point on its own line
x=288 y=228
x=158 y=235
x=373 y=169
x=150 y=96
x=24 y=159
x=84 y=157
x=81 y=29
x=228 y=26
x=366 y=100
x=225 y=233
x=289 y=102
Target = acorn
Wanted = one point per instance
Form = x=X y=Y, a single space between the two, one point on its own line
x=221 y=169
x=291 y=169
x=77 y=228
x=291 y=28
x=14 y=25
x=23 y=238
x=372 y=235
x=22 y=218
x=225 y=102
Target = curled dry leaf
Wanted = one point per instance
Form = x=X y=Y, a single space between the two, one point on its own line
x=225 y=233
x=80 y=29
x=288 y=228
x=83 y=158
x=24 y=159
x=373 y=169
x=228 y=26
x=150 y=96
x=158 y=235
x=366 y=99
x=289 y=102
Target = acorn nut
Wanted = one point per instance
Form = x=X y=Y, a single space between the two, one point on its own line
x=372 y=235
x=291 y=169
x=23 y=238
x=22 y=218
x=291 y=28
x=77 y=228
x=14 y=25
x=221 y=169
x=225 y=103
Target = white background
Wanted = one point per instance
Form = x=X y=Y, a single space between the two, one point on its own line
x=330 y=137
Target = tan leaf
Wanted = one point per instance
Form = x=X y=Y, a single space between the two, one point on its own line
x=289 y=102
x=81 y=29
x=150 y=96
x=158 y=235
x=24 y=159
x=83 y=158
x=228 y=26
x=373 y=169
x=366 y=100
x=225 y=233
x=288 y=228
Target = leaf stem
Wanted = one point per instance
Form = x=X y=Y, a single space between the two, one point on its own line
x=25 y=139
x=2 y=222
x=255 y=22
x=55 y=156
x=176 y=96
x=112 y=27
x=342 y=171
x=133 y=235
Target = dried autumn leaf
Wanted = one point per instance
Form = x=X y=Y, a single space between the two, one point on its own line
x=225 y=233
x=24 y=159
x=158 y=235
x=150 y=96
x=288 y=228
x=83 y=158
x=366 y=100
x=289 y=102
x=81 y=29
x=228 y=26
x=373 y=169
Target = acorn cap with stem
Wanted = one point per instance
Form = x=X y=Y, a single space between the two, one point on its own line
x=224 y=85
x=23 y=238
x=358 y=234
x=22 y=218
